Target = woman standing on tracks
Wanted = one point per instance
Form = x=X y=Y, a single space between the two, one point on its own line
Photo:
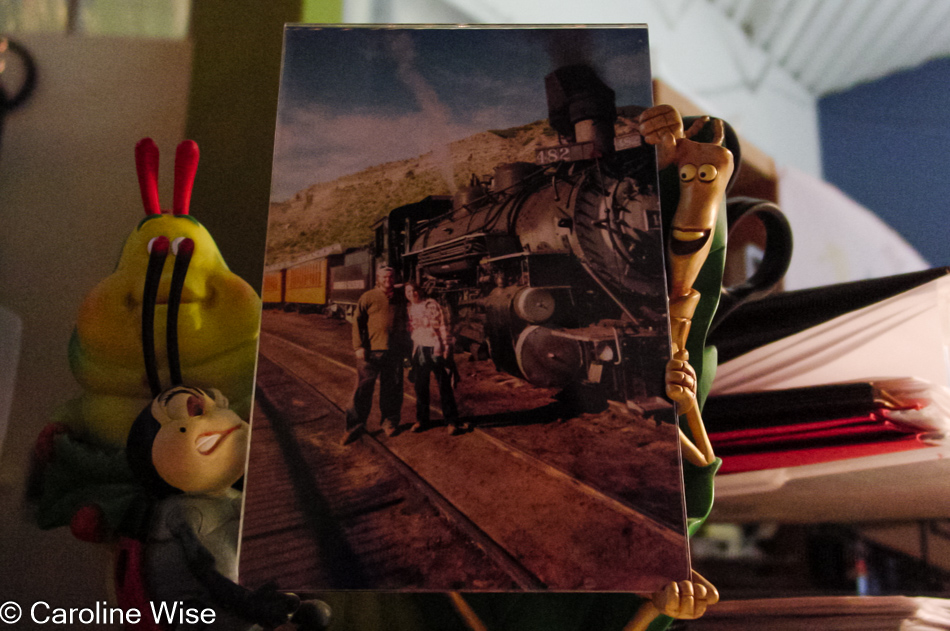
x=431 y=353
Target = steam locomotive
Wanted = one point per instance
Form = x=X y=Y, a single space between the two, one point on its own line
x=554 y=267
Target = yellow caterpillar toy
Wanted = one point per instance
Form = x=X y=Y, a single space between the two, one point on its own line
x=218 y=321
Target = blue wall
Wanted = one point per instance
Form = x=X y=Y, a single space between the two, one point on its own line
x=887 y=145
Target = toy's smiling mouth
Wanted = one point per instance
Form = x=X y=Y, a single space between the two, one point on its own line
x=187 y=297
x=688 y=241
x=209 y=441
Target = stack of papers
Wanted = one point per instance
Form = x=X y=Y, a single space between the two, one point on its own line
x=818 y=424
x=906 y=335
x=849 y=380
x=846 y=613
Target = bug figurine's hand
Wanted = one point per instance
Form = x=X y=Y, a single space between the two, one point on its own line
x=662 y=126
x=683 y=600
x=681 y=382
x=686 y=600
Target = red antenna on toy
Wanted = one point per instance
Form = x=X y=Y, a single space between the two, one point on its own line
x=146 y=165
x=186 y=164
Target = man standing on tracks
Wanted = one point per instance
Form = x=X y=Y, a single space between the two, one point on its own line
x=380 y=340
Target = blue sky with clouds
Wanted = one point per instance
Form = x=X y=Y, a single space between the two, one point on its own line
x=351 y=98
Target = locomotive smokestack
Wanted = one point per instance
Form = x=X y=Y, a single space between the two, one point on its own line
x=581 y=107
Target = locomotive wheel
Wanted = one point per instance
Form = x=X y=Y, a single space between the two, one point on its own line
x=534 y=305
x=546 y=359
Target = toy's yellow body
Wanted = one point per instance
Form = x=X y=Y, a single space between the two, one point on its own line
x=218 y=327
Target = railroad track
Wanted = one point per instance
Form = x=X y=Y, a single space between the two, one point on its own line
x=427 y=511
x=353 y=519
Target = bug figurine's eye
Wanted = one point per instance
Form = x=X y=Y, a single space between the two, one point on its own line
x=185 y=404
x=176 y=244
x=158 y=244
x=708 y=173
x=687 y=173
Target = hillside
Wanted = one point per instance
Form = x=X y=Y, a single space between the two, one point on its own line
x=344 y=210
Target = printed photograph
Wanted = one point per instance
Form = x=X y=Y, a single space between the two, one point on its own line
x=460 y=382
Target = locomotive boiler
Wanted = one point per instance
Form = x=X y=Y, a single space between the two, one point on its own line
x=555 y=266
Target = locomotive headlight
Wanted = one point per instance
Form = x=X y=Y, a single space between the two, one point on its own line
x=534 y=305
x=606 y=353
